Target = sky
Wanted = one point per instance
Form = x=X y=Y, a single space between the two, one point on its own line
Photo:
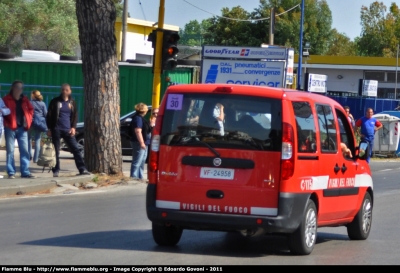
x=345 y=13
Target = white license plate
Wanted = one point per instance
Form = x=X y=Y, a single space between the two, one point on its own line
x=217 y=173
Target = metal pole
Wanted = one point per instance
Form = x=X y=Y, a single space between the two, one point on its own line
x=272 y=26
x=299 y=81
x=397 y=67
x=158 y=57
x=305 y=72
x=124 y=27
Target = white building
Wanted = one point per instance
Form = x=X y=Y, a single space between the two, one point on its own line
x=344 y=73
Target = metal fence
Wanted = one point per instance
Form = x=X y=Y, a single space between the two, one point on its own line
x=49 y=92
x=359 y=105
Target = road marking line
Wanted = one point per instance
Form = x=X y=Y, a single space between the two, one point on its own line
x=385 y=170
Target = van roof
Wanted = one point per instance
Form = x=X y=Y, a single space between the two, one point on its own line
x=251 y=90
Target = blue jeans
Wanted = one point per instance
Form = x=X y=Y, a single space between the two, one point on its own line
x=22 y=138
x=37 y=137
x=139 y=156
x=370 y=146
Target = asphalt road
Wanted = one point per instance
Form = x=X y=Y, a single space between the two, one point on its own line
x=110 y=227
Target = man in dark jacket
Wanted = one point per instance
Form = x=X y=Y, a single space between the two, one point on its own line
x=61 y=120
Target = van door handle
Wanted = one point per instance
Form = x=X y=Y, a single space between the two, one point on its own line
x=336 y=169
x=344 y=168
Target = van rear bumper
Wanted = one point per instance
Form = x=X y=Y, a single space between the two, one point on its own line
x=290 y=213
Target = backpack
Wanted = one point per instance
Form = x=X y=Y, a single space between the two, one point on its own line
x=47 y=155
x=146 y=129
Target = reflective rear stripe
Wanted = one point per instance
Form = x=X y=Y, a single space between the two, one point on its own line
x=264 y=211
x=168 y=205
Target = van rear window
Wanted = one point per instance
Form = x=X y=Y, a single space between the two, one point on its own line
x=222 y=121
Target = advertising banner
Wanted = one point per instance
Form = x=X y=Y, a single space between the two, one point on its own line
x=290 y=66
x=317 y=83
x=369 y=88
x=244 y=72
x=276 y=53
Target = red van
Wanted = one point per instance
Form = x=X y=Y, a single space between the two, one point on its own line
x=255 y=160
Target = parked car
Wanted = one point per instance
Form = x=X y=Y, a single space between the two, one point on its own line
x=124 y=127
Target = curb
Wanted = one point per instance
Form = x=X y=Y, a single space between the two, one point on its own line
x=73 y=180
x=43 y=186
x=13 y=190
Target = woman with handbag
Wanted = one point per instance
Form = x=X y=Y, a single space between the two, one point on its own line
x=38 y=124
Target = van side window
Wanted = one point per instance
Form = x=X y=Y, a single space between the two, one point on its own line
x=305 y=126
x=327 y=129
x=346 y=135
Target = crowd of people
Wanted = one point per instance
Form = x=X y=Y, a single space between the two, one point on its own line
x=23 y=118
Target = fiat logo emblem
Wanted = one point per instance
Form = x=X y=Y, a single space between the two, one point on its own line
x=217 y=162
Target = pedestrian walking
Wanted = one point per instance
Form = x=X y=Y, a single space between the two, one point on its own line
x=350 y=116
x=140 y=132
x=61 y=119
x=4 y=111
x=38 y=124
x=369 y=126
x=16 y=126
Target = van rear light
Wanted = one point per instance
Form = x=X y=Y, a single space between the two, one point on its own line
x=287 y=162
x=287 y=150
x=155 y=143
x=223 y=89
x=154 y=152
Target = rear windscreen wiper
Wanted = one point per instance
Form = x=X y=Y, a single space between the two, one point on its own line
x=204 y=143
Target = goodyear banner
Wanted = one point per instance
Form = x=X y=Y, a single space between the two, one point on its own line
x=271 y=53
x=261 y=73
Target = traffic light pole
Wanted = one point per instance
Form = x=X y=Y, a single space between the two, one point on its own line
x=158 y=57
x=299 y=79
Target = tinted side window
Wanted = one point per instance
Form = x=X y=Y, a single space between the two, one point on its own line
x=306 y=132
x=327 y=128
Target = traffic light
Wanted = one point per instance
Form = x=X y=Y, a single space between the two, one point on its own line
x=170 y=50
x=152 y=38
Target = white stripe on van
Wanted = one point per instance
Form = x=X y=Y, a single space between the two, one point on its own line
x=263 y=211
x=363 y=180
x=168 y=205
x=321 y=182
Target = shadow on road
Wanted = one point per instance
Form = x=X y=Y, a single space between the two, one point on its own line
x=192 y=242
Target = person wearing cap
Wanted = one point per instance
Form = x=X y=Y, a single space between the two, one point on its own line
x=40 y=112
x=140 y=132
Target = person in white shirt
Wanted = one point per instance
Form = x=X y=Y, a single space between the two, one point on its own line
x=219 y=115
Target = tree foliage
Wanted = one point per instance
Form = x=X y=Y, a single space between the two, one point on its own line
x=380 y=30
x=193 y=32
x=317 y=26
x=41 y=25
x=341 y=45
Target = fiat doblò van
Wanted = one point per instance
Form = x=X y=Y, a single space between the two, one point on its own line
x=255 y=160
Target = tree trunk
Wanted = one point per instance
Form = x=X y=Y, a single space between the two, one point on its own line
x=96 y=20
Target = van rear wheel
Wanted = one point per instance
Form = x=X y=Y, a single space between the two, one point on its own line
x=361 y=226
x=165 y=235
x=302 y=241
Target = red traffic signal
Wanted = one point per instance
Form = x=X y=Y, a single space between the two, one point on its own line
x=170 y=50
